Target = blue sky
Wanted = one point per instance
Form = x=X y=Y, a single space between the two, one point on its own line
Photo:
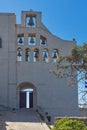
x=66 y=19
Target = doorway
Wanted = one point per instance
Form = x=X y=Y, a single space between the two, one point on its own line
x=27 y=96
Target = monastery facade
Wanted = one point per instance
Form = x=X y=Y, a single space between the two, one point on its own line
x=27 y=52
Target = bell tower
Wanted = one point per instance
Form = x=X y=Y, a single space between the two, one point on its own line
x=30 y=19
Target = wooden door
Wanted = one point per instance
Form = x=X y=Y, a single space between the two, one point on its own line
x=22 y=99
x=31 y=99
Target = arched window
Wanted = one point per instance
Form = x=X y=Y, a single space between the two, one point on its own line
x=0 y=42
x=43 y=41
x=19 y=54
x=36 y=55
x=27 y=55
x=45 y=55
x=55 y=55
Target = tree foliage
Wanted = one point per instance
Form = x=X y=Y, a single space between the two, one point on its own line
x=71 y=66
x=69 y=124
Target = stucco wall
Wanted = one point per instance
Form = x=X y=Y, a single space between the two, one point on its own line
x=7 y=59
x=53 y=94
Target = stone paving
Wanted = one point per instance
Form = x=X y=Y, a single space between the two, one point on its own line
x=23 y=119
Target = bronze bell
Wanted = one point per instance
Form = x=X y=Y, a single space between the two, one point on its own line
x=20 y=40
x=31 y=40
x=31 y=22
x=19 y=54
x=55 y=55
x=43 y=42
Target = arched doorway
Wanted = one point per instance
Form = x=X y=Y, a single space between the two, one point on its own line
x=27 y=95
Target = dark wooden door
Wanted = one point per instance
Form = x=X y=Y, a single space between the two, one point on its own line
x=31 y=99
x=22 y=99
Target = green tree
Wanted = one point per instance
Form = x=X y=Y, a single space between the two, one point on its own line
x=69 y=124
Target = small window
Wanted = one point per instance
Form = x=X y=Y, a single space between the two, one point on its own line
x=36 y=55
x=32 y=39
x=55 y=55
x=19 y=54
x=27 y=55
x=0 y=43
x=45 y=55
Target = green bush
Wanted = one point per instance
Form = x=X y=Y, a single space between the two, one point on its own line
x=69 y=124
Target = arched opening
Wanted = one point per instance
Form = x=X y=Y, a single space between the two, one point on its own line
x=31 y=21
x=20 y=39
x=36 y=55
x=45 y=55
x=27 y=55
x=55 y=55
x=43 y=40
x=19 y=54
x=32 y=39
x=27 y=95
